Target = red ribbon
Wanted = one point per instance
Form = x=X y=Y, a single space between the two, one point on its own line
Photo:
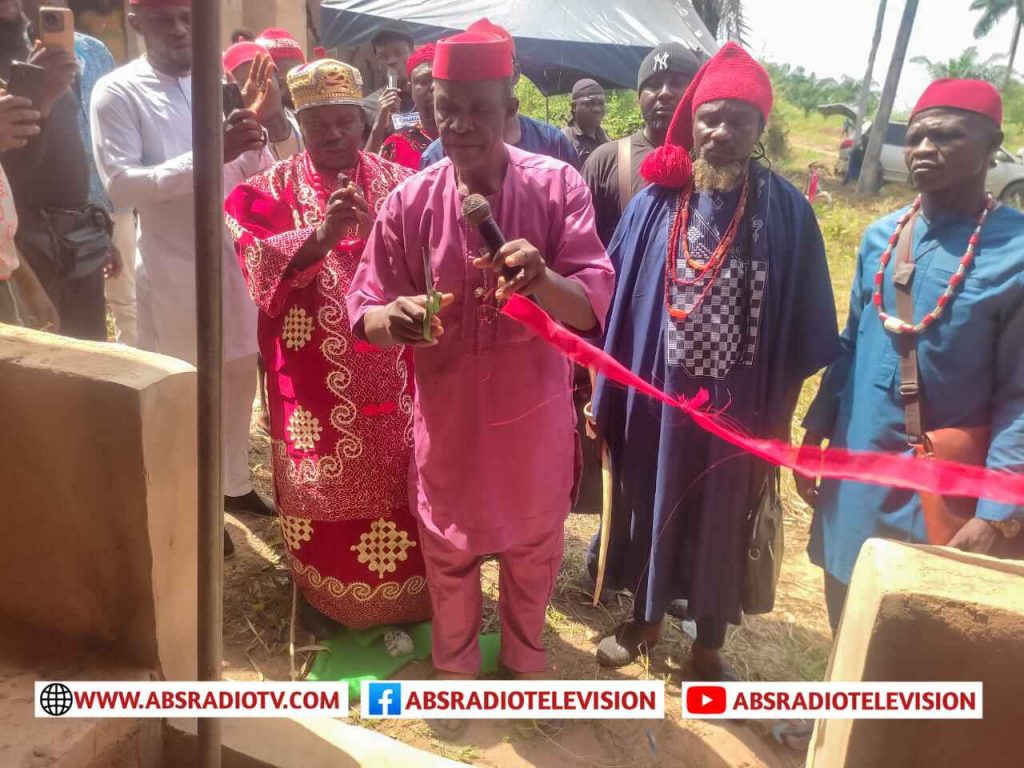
x=943 y=478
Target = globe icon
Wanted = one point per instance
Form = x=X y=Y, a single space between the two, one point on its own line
x=55 y=699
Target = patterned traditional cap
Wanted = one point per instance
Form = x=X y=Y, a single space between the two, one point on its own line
x=324 y=82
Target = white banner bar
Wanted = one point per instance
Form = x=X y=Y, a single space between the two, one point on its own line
x=224 y=699
x=514 y=699
x=833 y=701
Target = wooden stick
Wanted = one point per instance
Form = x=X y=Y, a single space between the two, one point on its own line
x=606 y=519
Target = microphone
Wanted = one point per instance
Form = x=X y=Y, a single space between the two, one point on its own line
x=477 y=212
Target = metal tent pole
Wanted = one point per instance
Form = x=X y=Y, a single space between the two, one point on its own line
x=208 y=180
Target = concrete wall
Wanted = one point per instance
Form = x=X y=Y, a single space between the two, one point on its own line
x=97 y=471
x=930 y=614
x=257 y=15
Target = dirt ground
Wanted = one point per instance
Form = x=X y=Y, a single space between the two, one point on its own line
x=791 y=643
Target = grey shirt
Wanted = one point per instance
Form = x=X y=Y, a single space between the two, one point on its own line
x=601 y=173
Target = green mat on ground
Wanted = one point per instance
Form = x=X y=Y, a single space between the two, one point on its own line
x=356 y=655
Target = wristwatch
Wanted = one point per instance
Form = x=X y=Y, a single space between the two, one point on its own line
x=1009 y=528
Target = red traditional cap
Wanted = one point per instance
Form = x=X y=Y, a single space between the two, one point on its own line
x=422 y=55
x=485 y=51
x=486 y=25
x=968 y=95
x=730 y=74
x=281 y=44
x=241 y=53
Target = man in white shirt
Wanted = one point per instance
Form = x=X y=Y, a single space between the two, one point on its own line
x=142 y=129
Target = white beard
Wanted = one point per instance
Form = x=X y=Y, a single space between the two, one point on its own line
x=717 y=178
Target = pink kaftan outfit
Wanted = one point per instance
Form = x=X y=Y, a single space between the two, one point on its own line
x=340 y=409
x=495 y=439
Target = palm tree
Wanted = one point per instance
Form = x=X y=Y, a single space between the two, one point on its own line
x=992 y=12
x=871 y=173
x=723 y=18
x=865 y=87
x=964 y=66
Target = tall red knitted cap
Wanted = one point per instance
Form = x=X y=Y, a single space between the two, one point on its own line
x=484 y=51
x=731 y=74
x=422 y=55
x=968 y=95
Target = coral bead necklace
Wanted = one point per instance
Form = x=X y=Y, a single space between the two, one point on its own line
x=895 y=324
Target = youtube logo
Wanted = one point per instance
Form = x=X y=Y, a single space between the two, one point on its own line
x=705 y=700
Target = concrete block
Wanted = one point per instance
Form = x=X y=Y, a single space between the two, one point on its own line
x=919 y=614
x=98 y=471
x=26 y=742
x=287 y=743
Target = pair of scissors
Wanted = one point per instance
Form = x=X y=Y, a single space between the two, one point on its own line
x=433 y=297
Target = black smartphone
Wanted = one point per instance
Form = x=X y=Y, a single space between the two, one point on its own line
x=232 y=98
x=28 y=81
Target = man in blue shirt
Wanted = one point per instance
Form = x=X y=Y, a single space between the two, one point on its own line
x=967 y=329
x=524 y=133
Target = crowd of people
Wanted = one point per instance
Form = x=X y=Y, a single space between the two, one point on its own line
x=416 y=430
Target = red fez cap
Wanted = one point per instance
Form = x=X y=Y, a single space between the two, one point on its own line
x=486 y=25
x=485 y=51
x=730 y=74
x=241 y=53
x=968 y=95
x=422 y=55
x=159 y=3
x=281 y=44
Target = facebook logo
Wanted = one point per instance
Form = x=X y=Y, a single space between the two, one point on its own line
x=384 y=699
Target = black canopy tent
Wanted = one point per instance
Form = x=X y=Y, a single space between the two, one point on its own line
x=557 y=42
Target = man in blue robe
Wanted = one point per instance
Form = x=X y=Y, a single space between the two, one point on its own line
x=740 y=307
x=970 y=360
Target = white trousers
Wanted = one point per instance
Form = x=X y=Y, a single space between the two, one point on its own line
x=121 y=292
x=237 y=394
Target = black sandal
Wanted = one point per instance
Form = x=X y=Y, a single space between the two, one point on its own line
x=629 y=642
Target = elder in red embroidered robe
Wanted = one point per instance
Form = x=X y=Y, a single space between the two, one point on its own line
x=340 y=409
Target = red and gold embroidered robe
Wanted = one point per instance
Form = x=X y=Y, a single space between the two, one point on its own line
x=340 y=409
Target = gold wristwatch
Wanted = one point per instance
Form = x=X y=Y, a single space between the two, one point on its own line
x=1009 y=528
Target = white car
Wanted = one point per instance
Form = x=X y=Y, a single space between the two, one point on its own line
x=1005 y=179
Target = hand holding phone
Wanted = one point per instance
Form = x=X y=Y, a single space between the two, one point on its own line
x=19 y=122
x=61 y=69
x=57 y=28
x=27 y=81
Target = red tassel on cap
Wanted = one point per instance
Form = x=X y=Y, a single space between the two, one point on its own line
x=668 y=166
